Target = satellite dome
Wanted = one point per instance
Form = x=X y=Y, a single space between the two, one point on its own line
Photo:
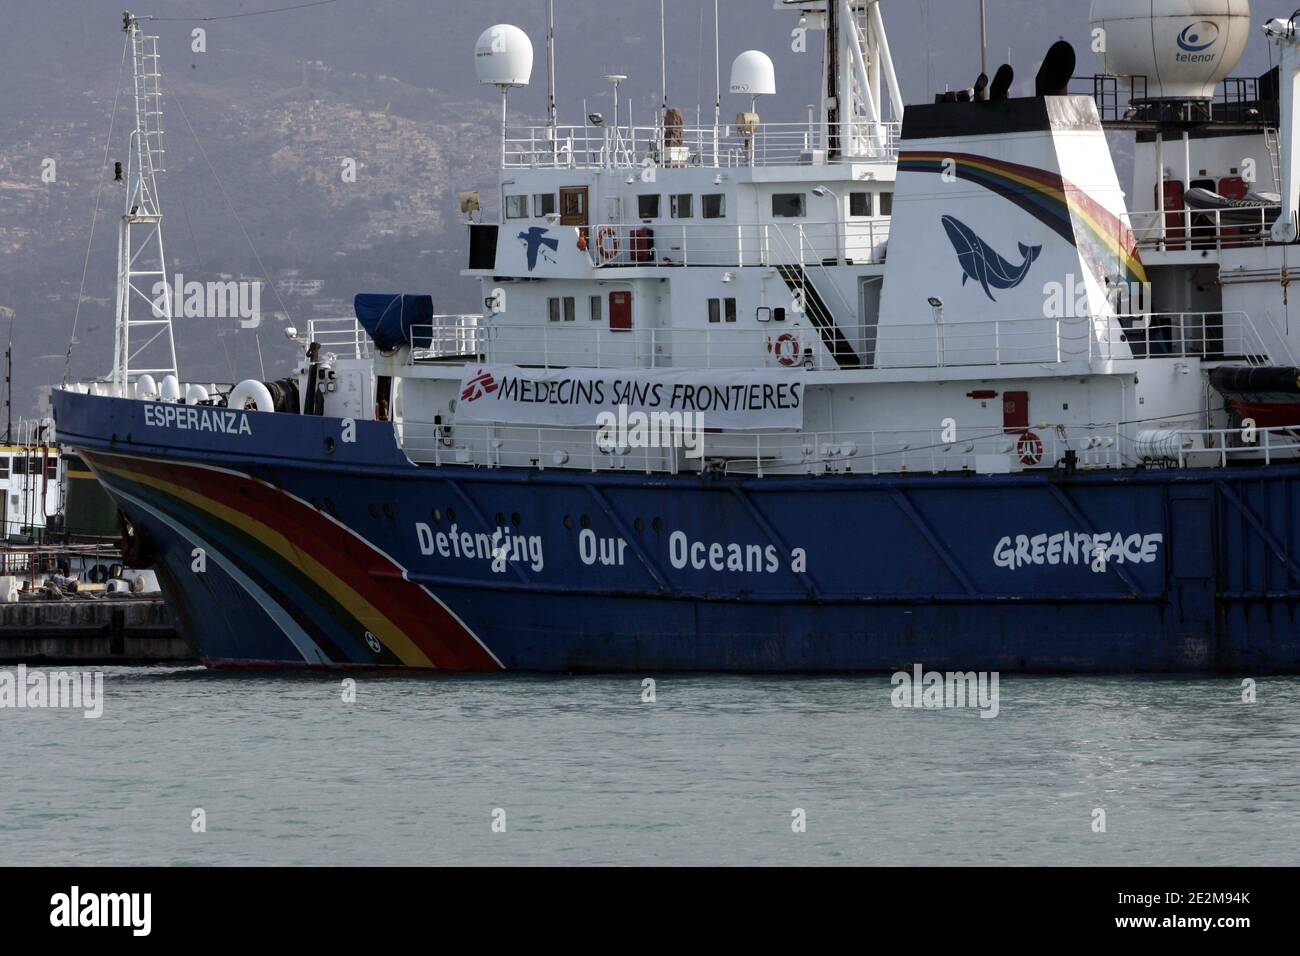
x=503 y=56
x=1184 y=48
x=753 y=74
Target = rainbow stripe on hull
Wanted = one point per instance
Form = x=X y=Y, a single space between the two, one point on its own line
x=335 y=598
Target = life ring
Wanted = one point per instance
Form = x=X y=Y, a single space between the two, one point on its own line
x=582 y=240
x=607 y=243
x=792 y=357
x=1030 y=449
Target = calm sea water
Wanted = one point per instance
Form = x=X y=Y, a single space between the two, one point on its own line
x=587 y=773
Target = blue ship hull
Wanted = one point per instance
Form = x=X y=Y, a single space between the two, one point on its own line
x=281 y=543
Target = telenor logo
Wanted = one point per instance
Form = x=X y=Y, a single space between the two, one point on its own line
x=481 y=384
x=981 y=263
x=1199 y=36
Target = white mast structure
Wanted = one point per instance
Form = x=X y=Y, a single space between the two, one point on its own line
x=141 y=264
x=859 y=79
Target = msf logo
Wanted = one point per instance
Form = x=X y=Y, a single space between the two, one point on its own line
x=981 y=263
x=481 y=384
x=536 y=243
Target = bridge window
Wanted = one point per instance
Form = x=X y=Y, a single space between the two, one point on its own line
x=20 y=464
x=544 y=204
x=788 y=205
x=51 y=468
x=568 y=305
x=4 y=466
x=516 y=207
x=683 y=206
x=886 y=204
x=860 y=204
x=714 y=206
x=717 y=308
x=596 y=303
x=647 y=207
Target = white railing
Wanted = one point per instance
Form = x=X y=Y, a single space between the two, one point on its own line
x=1208 y=446
x=454 y=334
x=1178 y=230
x=761 y=453
x=755 y=244
x=772 y=144
x=344 y=337
x=1001 y=342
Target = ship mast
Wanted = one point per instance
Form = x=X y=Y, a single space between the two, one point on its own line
x=141 y=264
x=859 y=81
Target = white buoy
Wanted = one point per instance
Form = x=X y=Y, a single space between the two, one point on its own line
x=251 y=390
x=146 y=388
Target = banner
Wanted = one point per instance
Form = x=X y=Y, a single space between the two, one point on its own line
x=722 y=398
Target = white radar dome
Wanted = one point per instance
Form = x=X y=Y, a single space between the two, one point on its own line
x=1184 y=48
x=753 y=74
x=503 y=56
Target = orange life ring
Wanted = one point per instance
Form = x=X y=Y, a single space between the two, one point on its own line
x=607 y=243
x=781 y=356
x=1030 y=449
x=582 y=240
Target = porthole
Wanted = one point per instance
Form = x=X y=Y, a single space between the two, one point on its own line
x=638 y=525
x=436 y=515
x=657 y=524
x=568 y=522
x=451 y=515
x=584 y=521
x=515 y=519
x=388 y=512
x=501 y=520
x=374 y=512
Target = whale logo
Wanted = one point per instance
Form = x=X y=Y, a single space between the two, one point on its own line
x=1199 y=36
x=981 y=263
x=536 y=242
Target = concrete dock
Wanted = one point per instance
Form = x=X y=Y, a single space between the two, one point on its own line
x=116 y=629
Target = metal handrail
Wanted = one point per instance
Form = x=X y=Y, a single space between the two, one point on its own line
x=1175 y=230
x=674 y=243
x=996 y=342
x=760 y=453
x=626 y=147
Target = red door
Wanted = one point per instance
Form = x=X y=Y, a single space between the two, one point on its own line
x=620 y=311
x=1175 y=219
x=1015 y=411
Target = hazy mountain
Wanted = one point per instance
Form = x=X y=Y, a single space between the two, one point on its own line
x=279 y=102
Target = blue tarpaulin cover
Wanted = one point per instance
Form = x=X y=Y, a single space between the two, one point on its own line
x=396 y=320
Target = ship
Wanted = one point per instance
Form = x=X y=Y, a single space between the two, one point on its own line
x=887 y=384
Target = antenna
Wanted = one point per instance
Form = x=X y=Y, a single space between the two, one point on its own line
x=141 y=264
x=717 y=82
x=984 y=39
x=503 y=57
x=663 y=61
x=550 y=61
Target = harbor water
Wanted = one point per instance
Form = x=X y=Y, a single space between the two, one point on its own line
x=534 y=770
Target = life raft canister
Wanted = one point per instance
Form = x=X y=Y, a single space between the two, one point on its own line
x=607 y=243
x=1029 y=448
x=787 y=350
